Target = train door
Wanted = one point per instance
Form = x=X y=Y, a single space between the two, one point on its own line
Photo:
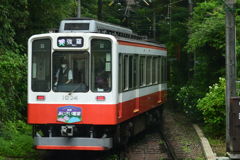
x=164 y=79
x=160 y=77
x=135 y=63
x=129 y=95
x=155 y=75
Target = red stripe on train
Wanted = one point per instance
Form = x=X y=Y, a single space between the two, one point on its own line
x=140 y=45
x=71 y=148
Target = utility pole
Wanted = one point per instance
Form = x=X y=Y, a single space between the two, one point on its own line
x=230 y=63
x=79 y=9
x=100 y=10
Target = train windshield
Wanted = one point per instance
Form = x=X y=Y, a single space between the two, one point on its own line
x=41 y=65
x=101 y=65
x=70 y=71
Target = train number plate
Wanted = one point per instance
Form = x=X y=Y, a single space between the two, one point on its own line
x=69 y=114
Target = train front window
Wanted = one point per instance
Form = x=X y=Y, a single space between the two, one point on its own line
x=70 y=71
x=41 y=65
x=101 y=65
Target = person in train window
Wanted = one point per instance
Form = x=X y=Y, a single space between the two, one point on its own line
x=102 y=81
x=64 y=74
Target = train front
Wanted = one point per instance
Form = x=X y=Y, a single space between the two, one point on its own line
x=72 y=91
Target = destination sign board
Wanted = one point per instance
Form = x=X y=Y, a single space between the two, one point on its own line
x=70 y=41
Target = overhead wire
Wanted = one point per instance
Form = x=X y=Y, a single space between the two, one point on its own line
x=126 y=13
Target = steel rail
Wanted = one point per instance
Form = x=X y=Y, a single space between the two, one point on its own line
x=168 y=145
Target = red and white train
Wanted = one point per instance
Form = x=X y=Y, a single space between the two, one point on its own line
x=93 y=85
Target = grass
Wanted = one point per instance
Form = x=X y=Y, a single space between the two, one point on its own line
x=218 y=146
x=148 y=135
x=218 y=143
x=16 y=140
x=2 y=158
x=186 y=149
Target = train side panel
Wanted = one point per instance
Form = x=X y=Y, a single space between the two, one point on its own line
x=143 y=98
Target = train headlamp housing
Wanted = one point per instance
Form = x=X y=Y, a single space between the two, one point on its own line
x=100 y=98
x=40 y=97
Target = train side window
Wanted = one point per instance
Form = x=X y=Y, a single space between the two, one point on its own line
x=142 y=71
x=134 y=71
x=120 y=74
x=149 y=70
x=125 y=72
x=160 y=69
x=154 y=70
x=129 y=74
x=41 y=65
x=164 y=69
x=131 y=71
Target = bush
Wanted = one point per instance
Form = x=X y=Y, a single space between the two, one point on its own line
x=187 y=98
x=16 y=139
x=13 y=84
x=212 y=107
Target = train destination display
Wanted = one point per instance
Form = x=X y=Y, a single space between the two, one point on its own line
x=70 y=42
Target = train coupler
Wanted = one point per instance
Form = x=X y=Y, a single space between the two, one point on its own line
x=67 y=130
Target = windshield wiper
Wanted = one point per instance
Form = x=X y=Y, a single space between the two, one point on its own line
x=75 y=89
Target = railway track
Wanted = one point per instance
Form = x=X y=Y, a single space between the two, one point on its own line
x=154 y=144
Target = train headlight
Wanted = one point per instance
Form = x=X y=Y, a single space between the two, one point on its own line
x=40 y=97
x=100 y=98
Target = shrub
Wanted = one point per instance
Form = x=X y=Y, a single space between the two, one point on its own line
x=16 y=139
x=13 y=84
x=187 y=100
x=212 y=107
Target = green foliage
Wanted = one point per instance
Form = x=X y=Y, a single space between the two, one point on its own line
x=207 y=72
x=207 y=26
x=17 y=127
x=20 y=19
x=207 y=38
x=113 y=157
x=16 y=140
x=89 y=9
x=212 y=107
x=13 y=17
x=48 y=14
x=43 y=15
x=187 y=98
x=13 y=84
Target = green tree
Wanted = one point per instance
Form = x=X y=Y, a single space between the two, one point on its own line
x=13 y=88
x=19 y=20
x=13 y=17
x=207 y=26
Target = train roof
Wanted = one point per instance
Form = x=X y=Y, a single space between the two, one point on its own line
x=89 y=25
